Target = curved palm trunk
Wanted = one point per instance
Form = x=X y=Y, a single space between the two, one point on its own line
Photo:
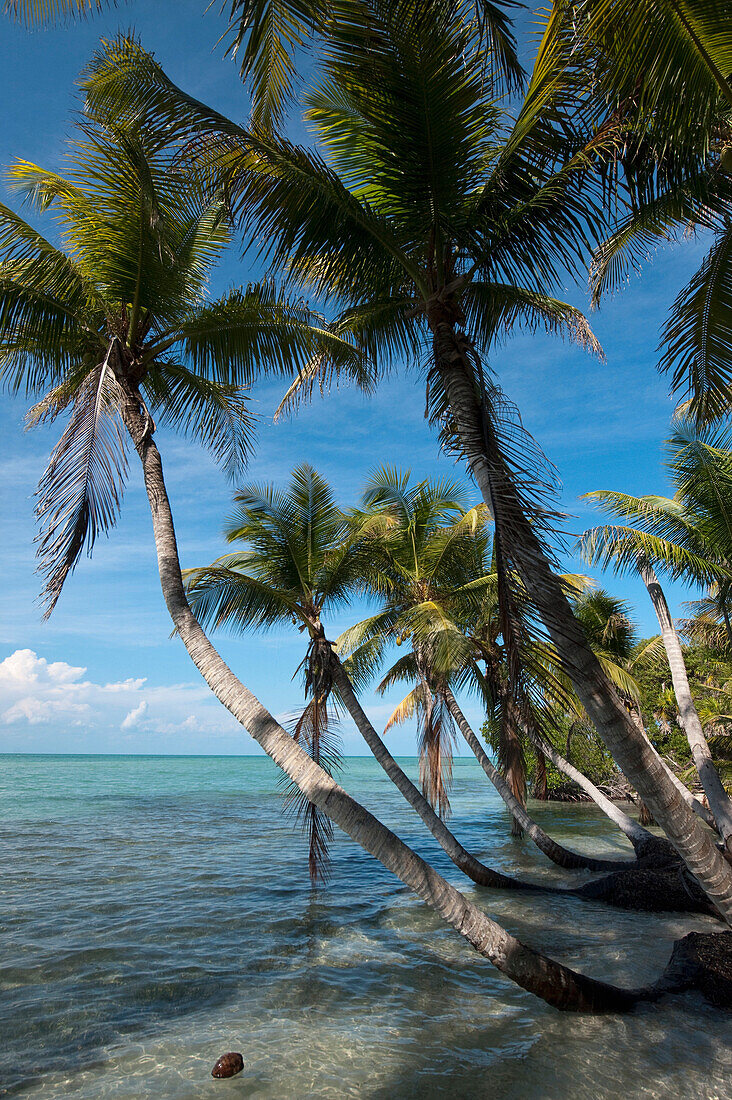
x=473 y=868
x=719 y=802
x=554 y=983
x=605 y=710
x=639 y=837
x=563 y=857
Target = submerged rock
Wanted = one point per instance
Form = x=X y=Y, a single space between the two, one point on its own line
x=703 y=961
x=655 y=891
x=228 y=1065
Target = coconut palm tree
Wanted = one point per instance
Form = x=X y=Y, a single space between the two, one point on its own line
x=138 y=250
x=428 y=564
x=688 y=536
x=436 y=228
x=294 y=565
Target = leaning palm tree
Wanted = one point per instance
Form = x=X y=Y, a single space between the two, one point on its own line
x=295 y=563
x=436 y=227
x=427 y=563
x=140 y=247
x=688 y=536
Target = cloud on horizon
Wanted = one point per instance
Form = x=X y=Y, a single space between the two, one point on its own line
x=38 y=697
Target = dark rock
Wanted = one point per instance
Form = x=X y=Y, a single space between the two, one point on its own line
x=228 y=1065
x=658 y=853
x=703 y=961
x=654 y=891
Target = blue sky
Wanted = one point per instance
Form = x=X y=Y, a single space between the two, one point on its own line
x=103 y=675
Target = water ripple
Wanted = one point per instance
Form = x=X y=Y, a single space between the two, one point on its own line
x=152 y=917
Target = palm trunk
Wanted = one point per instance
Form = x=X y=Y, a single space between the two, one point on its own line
x=719 y=803
x=514 y=771
x=554 y=983
x=541 y=790
x=558 y=854
x=605 y=710
x=467 y=863
x=693 y=803
x=636 y=834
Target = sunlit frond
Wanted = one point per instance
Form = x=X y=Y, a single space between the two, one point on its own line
x=80 y=492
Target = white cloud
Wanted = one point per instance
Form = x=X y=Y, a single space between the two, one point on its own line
x=57 y=698
x=133 y=718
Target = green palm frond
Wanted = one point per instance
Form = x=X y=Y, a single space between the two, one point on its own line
x=221 y=595
x=625 y=683
x=666 y=65
x=216 y=414
x=619 y=548
x=81 y=489
x=497 y=308
x=698 y=336
x=651 y=654
x=264 y=36
x=700 y=203
x=260 y=329
x=36 y=13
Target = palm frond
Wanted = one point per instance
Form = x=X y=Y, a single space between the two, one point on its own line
x=223 y=595
x=215 y=414
x=36 y=13
x=255 y=330
x=619 y=548
x=265 y=36
x=81 y=489
x=698 y=336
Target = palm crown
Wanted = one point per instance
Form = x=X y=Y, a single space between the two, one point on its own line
x=687 y=536
x=119 y=313
x=296 y=561
x=423 y=559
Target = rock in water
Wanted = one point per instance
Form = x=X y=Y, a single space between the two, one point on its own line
x=228 y=1065
x=703 y=961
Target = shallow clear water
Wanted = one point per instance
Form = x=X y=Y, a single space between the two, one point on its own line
x=155 y=912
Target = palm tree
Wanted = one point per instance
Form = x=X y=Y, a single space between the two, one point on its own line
x=300 y=561
x=427 y=562
x=687 y=536
x=140 y=246
x=436 y=231
x=295 y=564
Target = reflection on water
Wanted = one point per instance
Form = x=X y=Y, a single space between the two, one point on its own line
x=156 y=912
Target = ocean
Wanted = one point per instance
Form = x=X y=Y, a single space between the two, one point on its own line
x=156 y=912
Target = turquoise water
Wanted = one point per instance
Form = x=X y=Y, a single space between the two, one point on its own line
x=155 y=912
